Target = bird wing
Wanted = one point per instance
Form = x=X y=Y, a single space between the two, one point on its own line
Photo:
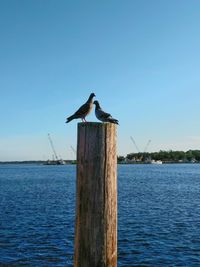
x=103 y=114
x=105 y=117
x=82 y=110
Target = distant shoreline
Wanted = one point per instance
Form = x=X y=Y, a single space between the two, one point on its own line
x=72 y=162
x=42 y=162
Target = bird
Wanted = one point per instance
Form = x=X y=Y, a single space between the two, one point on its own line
x=83 y=111
x=102 y=115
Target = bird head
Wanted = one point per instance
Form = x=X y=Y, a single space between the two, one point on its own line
x=91 y=97
x=96 y=103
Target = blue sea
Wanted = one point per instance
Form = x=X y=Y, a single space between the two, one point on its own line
x=158 y=215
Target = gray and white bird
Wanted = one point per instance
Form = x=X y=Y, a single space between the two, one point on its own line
x=83 y=111
x=102 y=115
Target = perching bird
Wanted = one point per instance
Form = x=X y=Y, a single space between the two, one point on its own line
x=103 y=116
x=83 y=111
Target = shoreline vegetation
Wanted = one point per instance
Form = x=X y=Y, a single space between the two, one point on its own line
x=41 y=162
x=190 y=156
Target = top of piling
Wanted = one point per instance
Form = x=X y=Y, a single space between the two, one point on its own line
x=95 y=124
x=91 y=123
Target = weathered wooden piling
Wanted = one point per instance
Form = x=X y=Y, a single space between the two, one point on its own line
x=96 y=196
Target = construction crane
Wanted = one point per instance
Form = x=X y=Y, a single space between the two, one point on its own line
x=138 y=150
x=52 y=146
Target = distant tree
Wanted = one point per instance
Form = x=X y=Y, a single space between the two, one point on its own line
x=131 y=156
x=168 y=156
x=120 y=159
x=196 y=154
x=193 y=154
x=189 y=155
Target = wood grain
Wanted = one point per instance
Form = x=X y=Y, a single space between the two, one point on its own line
x=96 y=196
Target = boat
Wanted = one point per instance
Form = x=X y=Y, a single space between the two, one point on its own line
x=54 y=162
x=155 y=161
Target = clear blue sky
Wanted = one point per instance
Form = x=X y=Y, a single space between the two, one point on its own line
x=140 y=58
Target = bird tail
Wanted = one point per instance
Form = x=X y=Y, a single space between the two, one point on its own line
x=70 y=118
x=113 y=121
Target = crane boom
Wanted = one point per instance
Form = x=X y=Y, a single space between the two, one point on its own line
x=73 y=150
x=135 y=144
x=147 y=145
x=52 y=146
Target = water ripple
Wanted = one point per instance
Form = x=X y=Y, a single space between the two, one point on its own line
x=158 y=215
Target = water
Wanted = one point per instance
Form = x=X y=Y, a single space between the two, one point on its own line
x=158 y=215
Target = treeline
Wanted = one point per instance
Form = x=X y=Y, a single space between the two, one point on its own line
x=165 y=156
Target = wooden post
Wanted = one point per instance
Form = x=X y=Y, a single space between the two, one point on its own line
x=96 y=196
